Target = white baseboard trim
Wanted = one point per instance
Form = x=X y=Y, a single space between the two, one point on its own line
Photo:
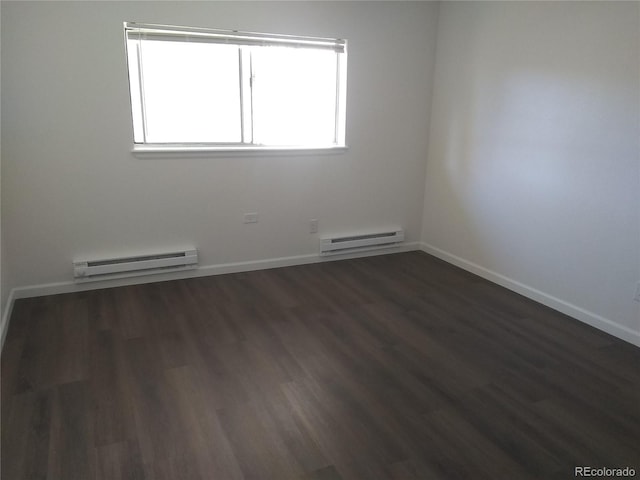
x=574 y=311
x=6 y=316
x=202 y=271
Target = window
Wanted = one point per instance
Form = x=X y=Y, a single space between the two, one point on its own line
x=196 y=88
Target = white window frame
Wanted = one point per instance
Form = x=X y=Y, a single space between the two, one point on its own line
x=139 y=30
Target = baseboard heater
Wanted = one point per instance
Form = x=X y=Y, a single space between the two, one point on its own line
x=334 y=245
x=119 y=267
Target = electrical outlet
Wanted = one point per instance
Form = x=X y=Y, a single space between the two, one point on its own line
x=313 y=225
x=251 y=217
x=637 y=297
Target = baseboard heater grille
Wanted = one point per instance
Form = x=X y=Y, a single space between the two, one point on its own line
x=102 y=269
x=360 y=242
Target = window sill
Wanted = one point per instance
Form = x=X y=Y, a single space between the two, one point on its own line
x=171 y=151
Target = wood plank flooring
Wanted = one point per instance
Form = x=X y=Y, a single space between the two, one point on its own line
x=389 y=367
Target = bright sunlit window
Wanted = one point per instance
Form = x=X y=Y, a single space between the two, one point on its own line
x=215 y=89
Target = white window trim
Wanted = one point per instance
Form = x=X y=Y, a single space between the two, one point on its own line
x=150 y=150
x=189 y=151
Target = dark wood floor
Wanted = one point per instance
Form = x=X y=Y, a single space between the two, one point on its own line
x=389 y=367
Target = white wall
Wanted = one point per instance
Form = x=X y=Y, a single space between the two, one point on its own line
x=533 y=173
x=73 y=188
x=4 y=294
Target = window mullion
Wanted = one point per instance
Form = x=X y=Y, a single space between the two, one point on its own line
x=251 y=82
x=337 y=125
x=241 y=79
x=246 y=96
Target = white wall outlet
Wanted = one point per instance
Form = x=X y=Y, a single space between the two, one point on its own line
x=313 y=225
x=251 y=217
x=637 y=297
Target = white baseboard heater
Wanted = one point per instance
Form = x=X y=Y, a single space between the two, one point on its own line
x=334 y=245
x=120 y=267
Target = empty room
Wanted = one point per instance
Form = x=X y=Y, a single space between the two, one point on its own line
x=320 y=240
